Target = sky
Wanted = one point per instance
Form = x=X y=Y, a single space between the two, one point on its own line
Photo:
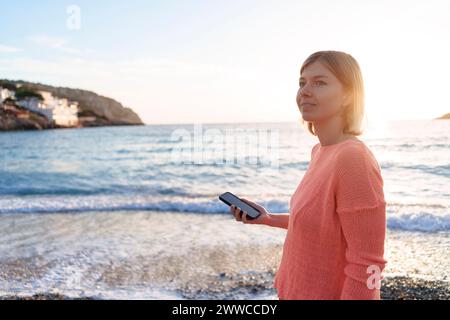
x=187 y=61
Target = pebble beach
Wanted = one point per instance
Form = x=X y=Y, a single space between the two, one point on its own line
x=197 y=260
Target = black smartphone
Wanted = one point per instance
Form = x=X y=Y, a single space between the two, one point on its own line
x=229 y=199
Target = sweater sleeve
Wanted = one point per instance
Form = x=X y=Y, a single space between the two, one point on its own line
x=361 y=209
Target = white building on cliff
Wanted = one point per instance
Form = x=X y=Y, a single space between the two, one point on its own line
x=5 y=94
x=61 y=111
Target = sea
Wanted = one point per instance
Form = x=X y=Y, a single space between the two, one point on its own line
x=133 y=212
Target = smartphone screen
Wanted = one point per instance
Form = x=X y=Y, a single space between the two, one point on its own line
x=230 y=199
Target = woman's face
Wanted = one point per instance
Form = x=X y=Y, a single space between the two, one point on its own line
x=320 y=94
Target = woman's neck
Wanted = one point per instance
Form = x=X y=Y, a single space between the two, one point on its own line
x=330 y=132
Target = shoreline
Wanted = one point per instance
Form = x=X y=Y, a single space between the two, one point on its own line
x=255 y=286
x=126 y=255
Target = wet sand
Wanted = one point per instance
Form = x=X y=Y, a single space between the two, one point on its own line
x=157 y=255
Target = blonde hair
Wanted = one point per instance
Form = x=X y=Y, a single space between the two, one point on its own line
x=346 y=69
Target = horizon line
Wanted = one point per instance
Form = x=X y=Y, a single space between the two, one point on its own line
x=267 y=122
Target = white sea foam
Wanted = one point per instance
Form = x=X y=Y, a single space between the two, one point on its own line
x=413 y=218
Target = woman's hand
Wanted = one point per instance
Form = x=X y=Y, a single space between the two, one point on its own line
x=263 y=218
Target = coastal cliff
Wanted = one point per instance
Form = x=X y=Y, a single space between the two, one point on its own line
x=11 y=121
x=93 y=109
x=445 y=116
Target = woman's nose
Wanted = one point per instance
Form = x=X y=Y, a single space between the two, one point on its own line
x=304 y=91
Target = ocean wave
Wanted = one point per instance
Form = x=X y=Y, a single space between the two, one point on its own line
x=421 y=205
x=421 y=145
x=148 y=151
x=406 y=145
x=89 y=190
x=171 y=140
x=87 y=204
x=421 y=221
x=443 y=170
x=440 y=170
x=57 y=191
x=301 y=165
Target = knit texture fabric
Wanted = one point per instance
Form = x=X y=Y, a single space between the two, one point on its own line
x=334 y=244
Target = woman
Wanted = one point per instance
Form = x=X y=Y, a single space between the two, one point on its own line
x=336 y=228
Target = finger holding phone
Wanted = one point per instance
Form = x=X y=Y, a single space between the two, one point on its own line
x=245 y=210
x=240 y=215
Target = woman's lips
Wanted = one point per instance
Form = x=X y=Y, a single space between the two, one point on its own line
x=306 y=106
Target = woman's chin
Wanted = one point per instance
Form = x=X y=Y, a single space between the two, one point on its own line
x=307 y=117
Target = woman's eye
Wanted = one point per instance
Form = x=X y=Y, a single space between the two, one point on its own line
x=317 y=83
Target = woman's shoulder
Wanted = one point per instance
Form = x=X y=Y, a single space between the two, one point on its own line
x=352 y=146
x=315 y=148
x=355 y=154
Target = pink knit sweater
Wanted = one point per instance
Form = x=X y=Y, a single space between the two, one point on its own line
x=335 y=239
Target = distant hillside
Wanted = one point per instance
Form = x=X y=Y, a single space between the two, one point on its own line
x=445 y=116
x=106 y=111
